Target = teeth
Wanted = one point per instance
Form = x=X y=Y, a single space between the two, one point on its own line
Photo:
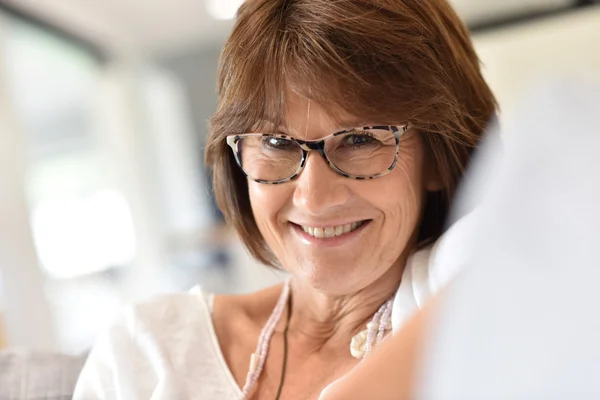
x=331 y=231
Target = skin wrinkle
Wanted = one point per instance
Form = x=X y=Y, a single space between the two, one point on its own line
x=411 y=197
x=371 y=271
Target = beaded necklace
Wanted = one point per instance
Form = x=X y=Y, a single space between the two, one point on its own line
x=361 y=344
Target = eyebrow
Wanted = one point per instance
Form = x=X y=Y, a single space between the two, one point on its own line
x=342 y=125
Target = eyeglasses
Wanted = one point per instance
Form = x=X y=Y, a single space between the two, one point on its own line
x=359 y=153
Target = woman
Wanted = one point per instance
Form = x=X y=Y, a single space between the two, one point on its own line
x=342 y=131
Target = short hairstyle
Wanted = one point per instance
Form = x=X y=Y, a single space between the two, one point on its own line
x=389 y=61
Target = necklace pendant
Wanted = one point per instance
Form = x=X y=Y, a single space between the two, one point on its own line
x=358 y=345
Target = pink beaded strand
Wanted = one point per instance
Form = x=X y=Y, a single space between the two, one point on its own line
x=372 y=327
x=385 y=320
x=258 y=358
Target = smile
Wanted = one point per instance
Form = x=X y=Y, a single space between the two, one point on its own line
x=332 y=231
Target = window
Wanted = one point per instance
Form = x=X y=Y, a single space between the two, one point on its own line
x=81 y=224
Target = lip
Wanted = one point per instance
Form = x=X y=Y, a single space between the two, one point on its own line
x=328 y=242
x=328 y=224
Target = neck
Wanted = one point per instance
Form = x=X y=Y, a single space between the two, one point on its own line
x=324 y=320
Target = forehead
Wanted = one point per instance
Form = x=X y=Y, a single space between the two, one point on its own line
x=308 y=119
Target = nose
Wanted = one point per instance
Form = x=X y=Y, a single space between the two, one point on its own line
x=319 y=188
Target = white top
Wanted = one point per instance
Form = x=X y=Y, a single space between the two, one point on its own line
x=166 y=348
x=428 y=270
x=162 y=349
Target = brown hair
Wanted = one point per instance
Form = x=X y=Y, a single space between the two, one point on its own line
x=389 y=61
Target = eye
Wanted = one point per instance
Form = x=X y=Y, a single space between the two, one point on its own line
x=278 y=143
x=358 y=139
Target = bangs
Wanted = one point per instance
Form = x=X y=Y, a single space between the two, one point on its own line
x=335 y=68
x=255 y=86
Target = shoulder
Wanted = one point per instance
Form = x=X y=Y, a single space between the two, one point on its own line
x=147 y=343
x=235 y=313
x=254 y=306
x=170 y=309
x=188 y=311
x=160 y=314
x=238 y=321
x=160 y=319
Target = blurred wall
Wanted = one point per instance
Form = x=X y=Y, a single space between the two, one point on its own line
x=517 y=57
x=197 y=71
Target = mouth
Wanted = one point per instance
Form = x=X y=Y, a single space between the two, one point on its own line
x=332 y=231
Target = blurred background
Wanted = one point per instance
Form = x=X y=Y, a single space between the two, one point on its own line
x=104 y=104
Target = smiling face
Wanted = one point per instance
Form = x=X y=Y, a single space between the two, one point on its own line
x=337 y=234
x=349 y=55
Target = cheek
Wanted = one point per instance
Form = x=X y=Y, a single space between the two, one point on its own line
x=404 y=197
x=409 y=171
x=410 y=189
x=400 y=197
x=267 y=201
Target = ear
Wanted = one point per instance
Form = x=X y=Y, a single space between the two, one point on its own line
x=432 y=181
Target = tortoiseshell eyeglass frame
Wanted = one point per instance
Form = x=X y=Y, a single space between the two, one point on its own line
x=319 y=146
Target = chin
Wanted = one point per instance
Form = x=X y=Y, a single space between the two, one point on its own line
x=336 y=280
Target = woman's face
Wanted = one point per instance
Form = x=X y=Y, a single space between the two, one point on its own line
x=388 y=207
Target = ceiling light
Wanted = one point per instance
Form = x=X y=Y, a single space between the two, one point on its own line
x=223 y=9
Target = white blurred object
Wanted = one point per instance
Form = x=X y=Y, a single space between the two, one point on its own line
x=84 y=235
x=430 y=269
x=522 y=321
x=477 y=11
x=223 y=9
